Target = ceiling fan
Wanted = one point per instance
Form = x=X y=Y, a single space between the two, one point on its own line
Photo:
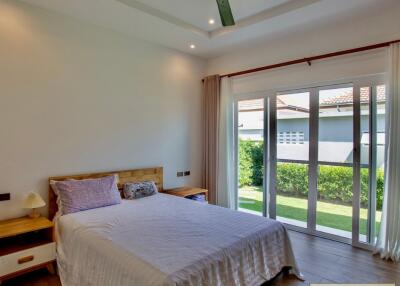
x=225 y=13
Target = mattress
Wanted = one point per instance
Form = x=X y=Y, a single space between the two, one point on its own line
x=168 y=240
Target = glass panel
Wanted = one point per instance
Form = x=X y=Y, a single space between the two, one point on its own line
x=364 y=159
x=372 y=158
x=292 y=193
x=292 y=154
x=380 y=154
x=251 y=155
x=335 y=192
x=335 y=156
x=336 y=125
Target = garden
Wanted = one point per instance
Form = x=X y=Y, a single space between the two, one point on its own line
x=335 y=185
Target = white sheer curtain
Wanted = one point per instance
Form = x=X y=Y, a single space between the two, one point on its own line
x=225 y=174
x=388 y=243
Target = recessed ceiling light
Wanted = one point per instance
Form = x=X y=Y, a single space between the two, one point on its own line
x=192 y=46
x=211 y=21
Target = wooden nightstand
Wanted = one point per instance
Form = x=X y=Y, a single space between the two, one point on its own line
x=187 y=191
x=26 y=244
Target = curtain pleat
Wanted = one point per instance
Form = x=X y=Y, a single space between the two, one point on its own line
x=211 y=107
x=226 y=176
x=388 y=243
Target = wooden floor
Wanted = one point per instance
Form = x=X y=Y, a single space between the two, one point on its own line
x=325 y=261
x=320 y=260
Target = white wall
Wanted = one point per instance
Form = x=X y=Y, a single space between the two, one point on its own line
x=364 y=29
x=78 y=98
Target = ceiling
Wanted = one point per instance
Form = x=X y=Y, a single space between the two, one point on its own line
x=198 y=12
x=179 y=23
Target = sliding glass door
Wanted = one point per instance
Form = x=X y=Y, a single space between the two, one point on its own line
x=372 y=147
x=292 y=166
x=251 y=156
x=335 y=161
x=313 y=159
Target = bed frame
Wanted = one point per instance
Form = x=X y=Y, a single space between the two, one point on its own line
x=137 y=175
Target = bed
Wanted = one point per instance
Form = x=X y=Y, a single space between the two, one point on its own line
x=167 y=240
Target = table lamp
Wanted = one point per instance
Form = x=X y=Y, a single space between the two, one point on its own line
x=33 y=201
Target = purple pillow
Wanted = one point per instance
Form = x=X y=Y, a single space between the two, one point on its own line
x=80 y=195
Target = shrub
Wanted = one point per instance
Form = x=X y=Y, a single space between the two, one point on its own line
x=251 y=163
x=292 y=179
x=334 y=182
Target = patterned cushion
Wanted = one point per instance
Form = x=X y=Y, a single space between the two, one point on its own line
x=139 y=190
x=79 y=195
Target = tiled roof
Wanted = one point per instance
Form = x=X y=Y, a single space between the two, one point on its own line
x=341 y=99
x=347 y=97
x=256 y=104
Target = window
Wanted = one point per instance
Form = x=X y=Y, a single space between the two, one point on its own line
x=380 y=138
x=320 y=167
x=292 y=137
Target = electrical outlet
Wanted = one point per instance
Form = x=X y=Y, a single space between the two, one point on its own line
x=187 y=173
x=179 y=174
x=5 y=197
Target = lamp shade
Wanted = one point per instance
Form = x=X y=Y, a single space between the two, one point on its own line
x=33 y=200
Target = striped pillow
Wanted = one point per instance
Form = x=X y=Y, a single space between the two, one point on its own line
x=80 y=195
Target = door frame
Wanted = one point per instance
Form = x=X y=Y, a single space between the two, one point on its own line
x=270 y=156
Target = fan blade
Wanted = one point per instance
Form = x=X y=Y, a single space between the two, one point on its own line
x=225 y=13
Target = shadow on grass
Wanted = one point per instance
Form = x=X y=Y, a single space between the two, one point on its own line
x=335 y=221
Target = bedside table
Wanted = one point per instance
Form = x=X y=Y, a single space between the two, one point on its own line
x=26 y=244
x=187 y=191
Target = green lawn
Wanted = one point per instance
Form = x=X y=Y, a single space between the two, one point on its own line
x=328 y=214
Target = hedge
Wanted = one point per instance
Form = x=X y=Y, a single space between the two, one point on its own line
x=251 y=163
x=335 y=183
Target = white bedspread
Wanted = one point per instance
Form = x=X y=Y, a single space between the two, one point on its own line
x=167 y=240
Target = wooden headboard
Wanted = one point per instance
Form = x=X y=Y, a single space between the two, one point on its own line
x=138 y=175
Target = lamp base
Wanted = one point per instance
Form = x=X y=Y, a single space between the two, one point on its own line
x=34 y=213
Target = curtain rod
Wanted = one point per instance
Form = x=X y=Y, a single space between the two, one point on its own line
x=310 y=59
